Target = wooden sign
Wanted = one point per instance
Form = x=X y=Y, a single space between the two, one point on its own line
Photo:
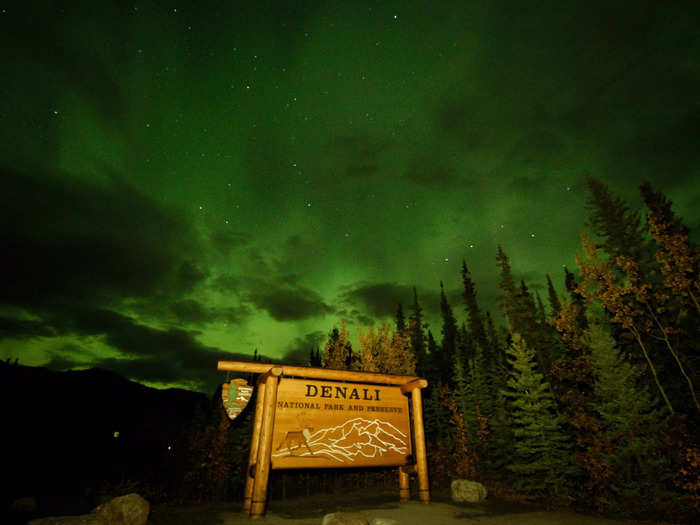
x=236 y=396
x=333 y=418
x=323 y=424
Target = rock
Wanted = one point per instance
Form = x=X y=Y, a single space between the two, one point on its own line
x=345 y=518
x=131 y=509
x=85 y=519
x=467 y=491
x=383 y=521
x=26 y=505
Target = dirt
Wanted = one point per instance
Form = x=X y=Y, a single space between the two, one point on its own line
x=310 y=511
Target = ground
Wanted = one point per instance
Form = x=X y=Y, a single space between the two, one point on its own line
x=310 y=511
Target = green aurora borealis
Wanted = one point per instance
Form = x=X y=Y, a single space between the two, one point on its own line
x=185 y=182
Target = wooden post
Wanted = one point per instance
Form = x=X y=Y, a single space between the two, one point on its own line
x=419 y=436
x=404 y=487
x=254 y=443
x=262 y=465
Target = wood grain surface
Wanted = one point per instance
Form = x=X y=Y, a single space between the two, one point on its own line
x=327 y=424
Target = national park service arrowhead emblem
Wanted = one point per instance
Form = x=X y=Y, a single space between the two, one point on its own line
x=235 y=396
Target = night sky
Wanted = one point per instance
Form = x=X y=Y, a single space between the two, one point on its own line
x=185 y=182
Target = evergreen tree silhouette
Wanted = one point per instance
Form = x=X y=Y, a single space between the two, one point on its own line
x=632 y=421
x=433 y=359
x=611 y=219
x=417 y=335
x=446 y=357
x=571 y=284
x=400 y=319
x=541 y=455
x=338 y=351
x=554 y=302
x=476 y=323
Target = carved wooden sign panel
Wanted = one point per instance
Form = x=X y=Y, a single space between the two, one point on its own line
x=324 y=424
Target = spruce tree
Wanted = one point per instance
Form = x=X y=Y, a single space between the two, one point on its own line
x=612 y=220
x=631 y=420
x=482 y=391
x=462 y=390
x=433 y=360
x=400 y=319
x=541 y=454
x=435 y=416
x=417 y=335
x=476 y=323
x=338 y=352
x=465 y=345
x=497 y=351
x=448 y=352
x=554 y=302
x=572 y=286
x=507 y=285
x=541 y=314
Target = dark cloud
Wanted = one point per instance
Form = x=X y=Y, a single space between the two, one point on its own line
x=461 y=119
x=289 y=303
x=536 y=148
x=190 y=311
x=298 y=351
x=380 y=300
x=62 y=362
x=43 y=49
x=367 y=303
x=11 y=328
x=226 y=242
x=528 y=185
x=280 y=292
x=66 y=239
x=355 y=156
x=434 y=173
x=671 y=147
x=295 y=249
x=147 y=353
x=188 y=276
x=227 y=283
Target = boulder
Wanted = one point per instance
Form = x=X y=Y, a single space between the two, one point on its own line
x=465 y=491
x=345 y=518
x=131 y=509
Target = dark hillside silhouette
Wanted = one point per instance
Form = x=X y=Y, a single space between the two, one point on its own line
x=64 y=432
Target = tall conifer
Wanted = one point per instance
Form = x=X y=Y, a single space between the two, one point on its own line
x=338 y=352
x=507 y=286
x=476 y=322
x=554 y=302
x=400 y=319
x=541 y=455
x=450 y=335
x=611 y=219
x=631 y=424
x=417 y=335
